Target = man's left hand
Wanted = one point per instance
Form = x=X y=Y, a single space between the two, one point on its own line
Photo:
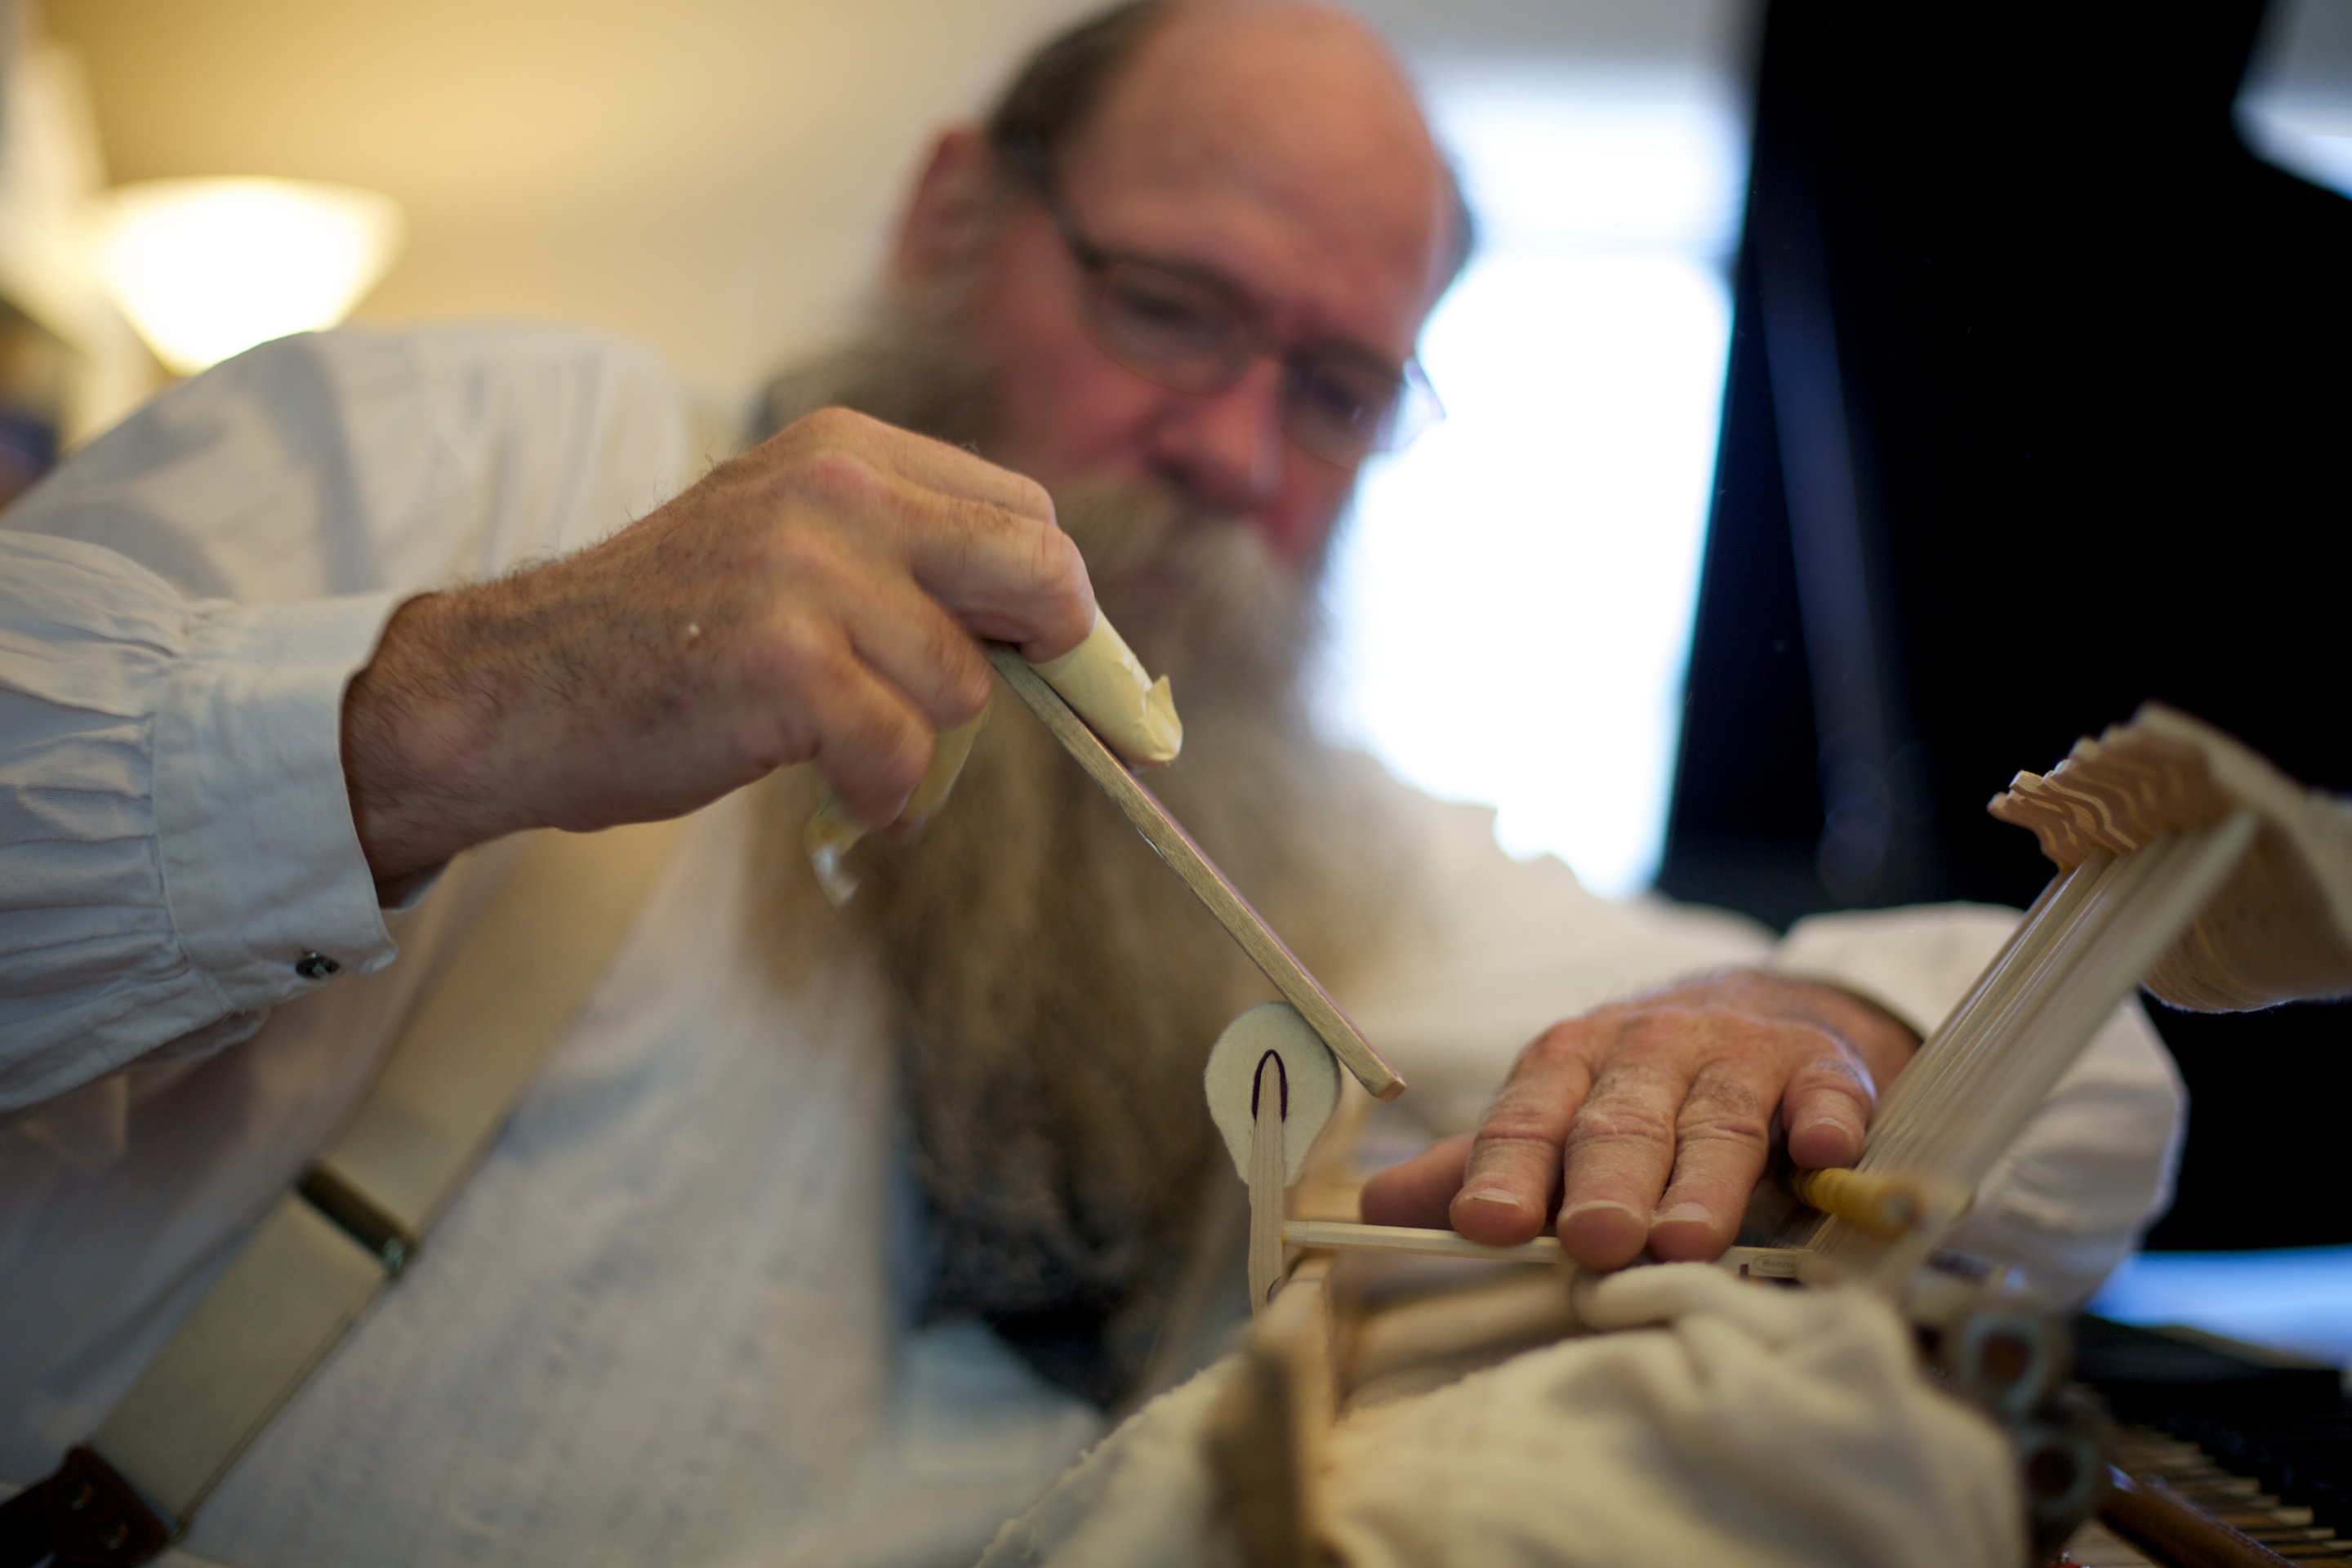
x=1648 y=1122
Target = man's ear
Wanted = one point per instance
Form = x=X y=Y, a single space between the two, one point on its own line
x=948 y=210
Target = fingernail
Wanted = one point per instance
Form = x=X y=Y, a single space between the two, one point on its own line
x=1595 y=1205
x=1839 y=1122
x=1685 y=1214
x=1496 y=1195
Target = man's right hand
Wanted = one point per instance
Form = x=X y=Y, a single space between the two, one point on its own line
x=818 y=599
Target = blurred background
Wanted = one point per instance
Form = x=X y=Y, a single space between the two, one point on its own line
x=717 y=177
x=1848 y=406
x=2036 y=408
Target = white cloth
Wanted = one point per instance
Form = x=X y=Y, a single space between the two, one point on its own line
x=1722 y=1423
x=665 y=1321
x=1752 y=1427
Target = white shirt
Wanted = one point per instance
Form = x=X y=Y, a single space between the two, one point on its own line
x=666 y=1319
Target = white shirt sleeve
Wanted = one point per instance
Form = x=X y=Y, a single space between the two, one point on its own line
x=178 y=854
x=181 y=606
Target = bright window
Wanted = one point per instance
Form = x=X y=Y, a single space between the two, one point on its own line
x=1513 y=599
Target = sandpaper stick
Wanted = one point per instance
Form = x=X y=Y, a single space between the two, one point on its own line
x=1209 y=885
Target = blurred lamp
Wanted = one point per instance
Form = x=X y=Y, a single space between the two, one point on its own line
x=207 y=268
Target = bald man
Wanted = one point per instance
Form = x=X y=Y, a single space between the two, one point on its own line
x=831 y=1238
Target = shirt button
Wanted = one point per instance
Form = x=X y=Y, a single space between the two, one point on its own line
x=316 y=967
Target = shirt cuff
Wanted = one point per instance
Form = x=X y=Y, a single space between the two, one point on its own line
x=268 y=888
x=1914 y=962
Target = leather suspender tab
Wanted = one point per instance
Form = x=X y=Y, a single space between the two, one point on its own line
x=358 y=1216
x=85 y=1513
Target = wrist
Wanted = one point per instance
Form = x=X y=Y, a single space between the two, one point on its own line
x=1884 y=1041
x=420 y=743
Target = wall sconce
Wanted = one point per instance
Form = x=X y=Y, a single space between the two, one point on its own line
x=207 y=268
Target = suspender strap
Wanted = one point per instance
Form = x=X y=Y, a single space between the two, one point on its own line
x=326 y=1250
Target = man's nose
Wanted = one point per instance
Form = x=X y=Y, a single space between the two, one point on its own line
x=1226 y=449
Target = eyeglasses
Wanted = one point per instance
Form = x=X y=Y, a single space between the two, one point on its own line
x=1189 y=332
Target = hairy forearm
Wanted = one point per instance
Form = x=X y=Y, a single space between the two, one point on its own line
x=544 y=699
x=815 y=600
x=421 y=733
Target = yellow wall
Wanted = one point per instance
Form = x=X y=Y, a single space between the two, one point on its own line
x=714 y=176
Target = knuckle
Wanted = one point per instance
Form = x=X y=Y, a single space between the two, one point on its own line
x=801 y=651
x=1055 y=554
x=876 y=758
x=1617 y=1126
x=901 y=758
x=1563 y=1043
x=1723 y=1125
x=939 y=645
x=1059 y=563
x=795 y=555
x=765 y=742
x=1836 y=1082
x=764 y=748
x=1720 y=1084
x=1510 y=1122
x=1655 y=1031
x=1032 y=499
x=837 y=478
x=1535 y=1103
x=1636 y=1079
x=1663 y=1030
x=962 y=674
x=1845 y=1061
x=974 y=686
x=1501 y=1150
x=830 y=424
x=1724 y=1109
x=1839 y=1068
x=985 y=523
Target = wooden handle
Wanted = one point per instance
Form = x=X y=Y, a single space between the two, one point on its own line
x=1889 y=1205
x=1346 y=1236
x=1342 y=1235
x=1184 y=857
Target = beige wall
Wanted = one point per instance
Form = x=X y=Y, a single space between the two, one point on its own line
x=711 y=175
x=714 y=176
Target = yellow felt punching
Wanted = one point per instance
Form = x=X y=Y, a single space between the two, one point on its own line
x=1310 y=1073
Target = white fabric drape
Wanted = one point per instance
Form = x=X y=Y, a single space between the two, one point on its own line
x=1722 y=1422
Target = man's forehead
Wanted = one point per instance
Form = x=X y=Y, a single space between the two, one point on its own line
x=1279 y=142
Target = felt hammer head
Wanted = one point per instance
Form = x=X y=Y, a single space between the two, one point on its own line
x=1309 y=1071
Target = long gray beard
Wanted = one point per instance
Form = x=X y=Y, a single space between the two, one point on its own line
x=1057 y=988
x=916 y=365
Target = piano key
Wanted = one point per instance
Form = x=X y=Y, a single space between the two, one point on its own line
x=2255 y=1440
